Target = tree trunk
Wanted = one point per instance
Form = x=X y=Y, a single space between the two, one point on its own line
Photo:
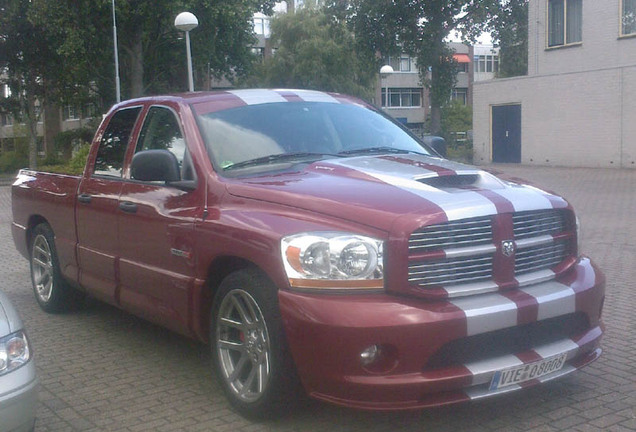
x=32 y=123
x=136 y=67
x=52 y=126
x=436 y=119
x=436 y=111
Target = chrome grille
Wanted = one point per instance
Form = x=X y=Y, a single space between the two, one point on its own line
x=449 y=272
x=537 y=223
x=469 y=232
x=539 y=257
x=469 y=251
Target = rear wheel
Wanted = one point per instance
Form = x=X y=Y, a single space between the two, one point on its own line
x=249 y=349
x=52 y=292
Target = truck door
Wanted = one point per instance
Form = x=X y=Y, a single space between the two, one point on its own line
x=156 y=231
x=97 y=209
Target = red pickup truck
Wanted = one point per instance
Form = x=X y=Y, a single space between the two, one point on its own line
x=317 y=245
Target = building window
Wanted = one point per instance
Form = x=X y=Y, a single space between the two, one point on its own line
x=628 y=17
x=460 y=94
x=565 y=22
x=258 y=52
x=402 y=63
x=402 y=98
x=70 y=113
x=487 y=63
x=405 y=64
x=89 y=110
x=261 y=26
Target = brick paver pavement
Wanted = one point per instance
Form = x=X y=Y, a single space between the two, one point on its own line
x=104 y=370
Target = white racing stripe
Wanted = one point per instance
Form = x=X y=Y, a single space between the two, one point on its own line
x=527 y=198
x=255 y=97
x=554 y=299
x=558 y=347
x=487 y=312
x=491 y=365
x=314 y=96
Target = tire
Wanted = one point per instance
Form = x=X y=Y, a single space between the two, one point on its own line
x=51 y=291
x=249 y=349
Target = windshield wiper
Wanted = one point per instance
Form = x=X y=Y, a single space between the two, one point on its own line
x=282 y=157
x=378 y=150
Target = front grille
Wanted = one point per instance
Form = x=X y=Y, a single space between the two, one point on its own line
x=469 y=232
x=453 y=255
x=537 y=223
x=539 y=257
x=508 y=341
x=454 y=271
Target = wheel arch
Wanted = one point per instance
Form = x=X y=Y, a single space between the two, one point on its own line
x=34 y=220
x=218 y=270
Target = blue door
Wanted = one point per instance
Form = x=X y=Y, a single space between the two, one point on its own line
x=506 y=133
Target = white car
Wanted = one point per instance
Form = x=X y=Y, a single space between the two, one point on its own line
x=18 y=380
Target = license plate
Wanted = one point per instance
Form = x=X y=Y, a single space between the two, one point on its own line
x=527 y=372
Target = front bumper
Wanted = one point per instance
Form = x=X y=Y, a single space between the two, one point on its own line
x=431 y=345
x=18 y=399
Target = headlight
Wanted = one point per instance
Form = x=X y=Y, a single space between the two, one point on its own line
x=14 y=352
x=333 y=260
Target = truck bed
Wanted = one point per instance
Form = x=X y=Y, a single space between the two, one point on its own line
x=46 y=197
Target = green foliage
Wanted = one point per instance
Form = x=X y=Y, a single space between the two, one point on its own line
x=77 y=163
x=151 y=49
x=420 y=27
x=28 y=65
x=12 y=161
x=457 y=121
x=315 y=51
x=74 y=166
x=65 y=141
x=510 y=31
x=457 y=117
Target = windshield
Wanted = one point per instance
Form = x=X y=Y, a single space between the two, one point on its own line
x=267 y=135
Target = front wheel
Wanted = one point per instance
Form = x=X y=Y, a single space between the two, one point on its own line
x=52 y=292
x=249 y=348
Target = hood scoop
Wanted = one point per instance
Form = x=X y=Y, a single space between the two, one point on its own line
x=461 y=182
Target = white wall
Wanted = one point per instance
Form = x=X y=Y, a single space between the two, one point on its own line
x=578 y=103
x=575 y=119
x=601 y=47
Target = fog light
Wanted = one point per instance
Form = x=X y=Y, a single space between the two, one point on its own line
x=369 y=355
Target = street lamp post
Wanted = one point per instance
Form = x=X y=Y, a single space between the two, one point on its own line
x=186 y=21
x=117 y=85
x=384 y=72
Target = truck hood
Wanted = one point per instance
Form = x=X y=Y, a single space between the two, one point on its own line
x=376 y=190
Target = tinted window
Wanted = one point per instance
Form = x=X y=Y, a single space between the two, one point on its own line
x=161 y=131
x=112 y=147
x=255 y=131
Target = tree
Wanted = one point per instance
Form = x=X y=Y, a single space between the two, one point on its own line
x=314 y=50
x=420 y=28
x=509 y=30
x=152 y=52
x=28 y=66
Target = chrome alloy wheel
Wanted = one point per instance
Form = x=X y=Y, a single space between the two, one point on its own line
x=243 y=345
x=42 y=268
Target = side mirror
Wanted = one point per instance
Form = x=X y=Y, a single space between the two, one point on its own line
x=155 y=165
x=437 y=143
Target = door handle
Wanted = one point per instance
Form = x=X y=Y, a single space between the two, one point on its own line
x=84 y=198
x=128 y=207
